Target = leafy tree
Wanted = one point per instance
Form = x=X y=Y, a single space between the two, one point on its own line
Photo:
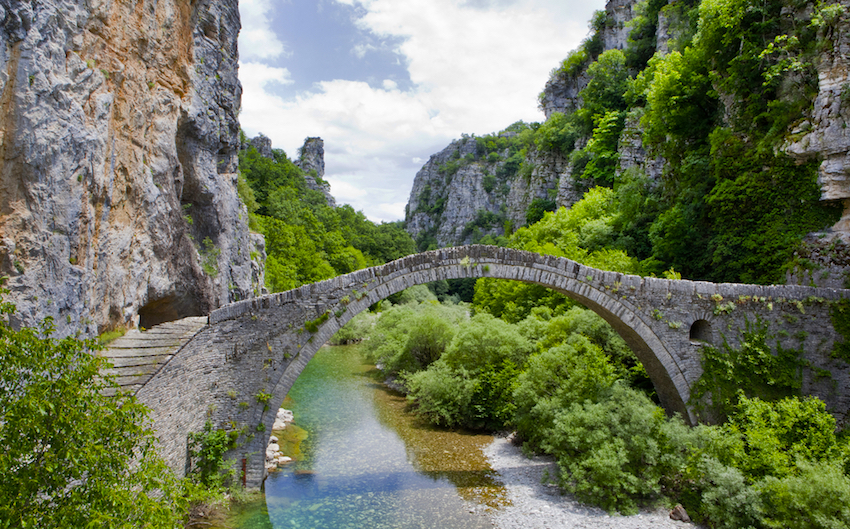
x=70 y=455
x=605 y=91
x=306 y=240
x=770 y=438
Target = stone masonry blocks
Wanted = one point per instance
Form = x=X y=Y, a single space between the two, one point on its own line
x=262 y=344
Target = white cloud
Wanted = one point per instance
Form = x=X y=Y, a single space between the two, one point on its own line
x=257 y=40
x=476 y=67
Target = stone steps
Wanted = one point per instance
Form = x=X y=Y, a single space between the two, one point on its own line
x=138 y=356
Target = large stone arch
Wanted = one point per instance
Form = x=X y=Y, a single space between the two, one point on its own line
x=238 y=369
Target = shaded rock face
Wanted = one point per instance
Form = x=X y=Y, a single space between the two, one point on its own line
x=312 y=162
x=561 y=94
x=615 y=36
x=632 y=153
x=824 y=134
x=118 y=146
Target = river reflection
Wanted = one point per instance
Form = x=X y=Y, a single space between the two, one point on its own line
x=367 y=463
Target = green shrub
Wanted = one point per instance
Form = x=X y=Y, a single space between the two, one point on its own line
x=771 y=437
x=611 y=452
x=723 y=496
x=554 y=379
x=206 y=453
x=410 y=337
x=817 y=496
x=355 y=330
x=486 y=340
x=72 y=456
x=443 y=394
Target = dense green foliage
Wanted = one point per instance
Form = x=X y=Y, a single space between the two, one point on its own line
x=584 y=233
x=563 y=383
x=307 y=240
x=77 y=452
x=719 y=108
x=69 y=455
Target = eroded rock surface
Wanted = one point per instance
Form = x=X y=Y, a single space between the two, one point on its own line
x=825 y=135
x=118 y=162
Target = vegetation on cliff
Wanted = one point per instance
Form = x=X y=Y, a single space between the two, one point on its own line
x=717 y=107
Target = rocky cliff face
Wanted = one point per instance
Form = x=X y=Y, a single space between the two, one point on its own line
x=443 y=205
x=461 y=194
x=118 y=162
x=824 y=134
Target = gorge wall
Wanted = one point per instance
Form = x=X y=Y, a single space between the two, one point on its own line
x=118 y=159
x=447 y=207
x=450 y=207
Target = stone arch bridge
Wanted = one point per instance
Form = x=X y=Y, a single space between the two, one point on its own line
x=237 y=369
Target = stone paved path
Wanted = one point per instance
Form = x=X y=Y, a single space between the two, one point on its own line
x=137 y=356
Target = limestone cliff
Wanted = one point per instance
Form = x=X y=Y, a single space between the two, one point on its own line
x=312 y=162
x=118 y=143
x=463 y=193
x=824 y=134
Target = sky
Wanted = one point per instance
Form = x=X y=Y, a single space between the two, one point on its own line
x=388 y=83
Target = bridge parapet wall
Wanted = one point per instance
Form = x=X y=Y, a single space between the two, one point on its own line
x=239 y=369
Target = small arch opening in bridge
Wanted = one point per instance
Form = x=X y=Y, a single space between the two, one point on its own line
x=701 y=331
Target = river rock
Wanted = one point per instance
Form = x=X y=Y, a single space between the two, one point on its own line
x=678 y=513
x=283 y=418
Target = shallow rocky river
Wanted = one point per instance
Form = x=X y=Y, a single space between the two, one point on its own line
x=362 y=461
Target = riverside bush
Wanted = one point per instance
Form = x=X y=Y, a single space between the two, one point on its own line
x=71 y=456
x=817 y=496
x=472 y=382
x=614 y=450
x=486 y=340
x=443 y=394
x=410 y=337
x=771 y=437
x=355 y=330
x=552 y=380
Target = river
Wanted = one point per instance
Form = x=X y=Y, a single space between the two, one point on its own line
x=365 y=462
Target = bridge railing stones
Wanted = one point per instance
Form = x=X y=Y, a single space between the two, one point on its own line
x=260 y=346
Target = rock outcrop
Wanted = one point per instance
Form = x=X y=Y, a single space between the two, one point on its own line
x=824 y=134
x=118 y=146
x=443 y=205
x=312 y=162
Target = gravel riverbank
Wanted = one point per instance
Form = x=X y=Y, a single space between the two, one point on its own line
x=535 y=505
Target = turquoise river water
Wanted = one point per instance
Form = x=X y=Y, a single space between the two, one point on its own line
x=363 y=461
